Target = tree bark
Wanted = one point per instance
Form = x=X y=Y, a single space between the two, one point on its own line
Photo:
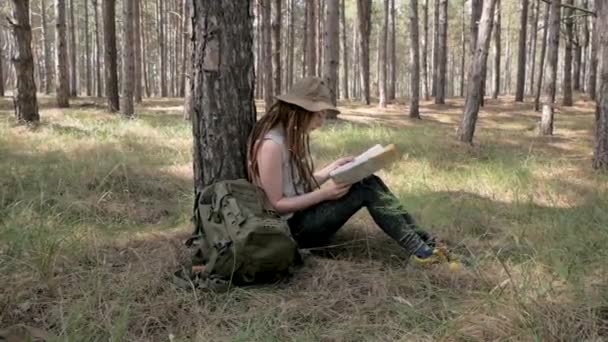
x=332 y=48
x=476 y=8
x=26 y=104
x=276 y=39
x=267 y=48
x=137 y=66
x=442 y=54
x=319 y=16
x=110 y=54
x=600 y=151
x=463 y=48
x=414 y=61
x=586 y=39
x=73 y=88
x=144 y=39
x=592 y=81
x=469 y=116
x=576 y=62
x=1 y=69
x=521 y=53
x=87 y=49
x=128 y=70
x=292 y=45
x=546 y=125
x=160 y=6
x=61 y=59
x=188 y=61
x=344 y=53
x=382 y=52
x=223 y=106
x=543 y=53
x=98 y=45
x=534 y=34
x=364 y=22
x=435 y=48
x=311 y=40
x=425 y=49
x=497 y=52
x=393 y=53
x=46 y=41
x=567 y=83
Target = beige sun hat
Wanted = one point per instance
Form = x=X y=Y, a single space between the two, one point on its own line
x=310 y=93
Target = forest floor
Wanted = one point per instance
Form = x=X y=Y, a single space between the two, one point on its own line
x=94 y=210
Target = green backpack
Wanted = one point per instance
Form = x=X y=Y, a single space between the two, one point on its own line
x=236 y=240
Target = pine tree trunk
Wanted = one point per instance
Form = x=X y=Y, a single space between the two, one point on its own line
x=292 y=45
x=567 y=82
x=521 y=53
x=600 y=151
x=110 y=54
x=546 y=125
x=383 y=60
x=586 y=39
x=73 y=88
x=364 y=22
x=497 y=52
x=332 y=48
x=188 y=62
x=435 y=48
x=128 y=70
x=162 y=47
x=259 y=70
x=592 y=81
x=185 y=42
x=61 y=59
x=356 y=67
x=393 y=55
x=320 y=30
x=267 y=48
x=344 y=52
x=463 y=48
x=46 y=42
x=87 y=49
x=472 y=103
x=442 y=53
x=576 y=65
x=543 y=53
x=1 y=69
x=414 y=61
x=425 y=50
x=534 y=35
x=98 y=45
x=476 y=7
x=144 y=39
x=311 y=42
x=276 y=39
x=224 y=111
x=26 y=105
x=137 y=66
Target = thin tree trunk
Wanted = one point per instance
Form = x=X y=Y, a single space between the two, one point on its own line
x=414 y=61
x=344 y=52
x=443 y=52
x=576 y=66
x=110 y=54
x=356 y=67
x=224 y=110
x=425 y=49
x=567 y=83
x=383 y=60
x=364 y=21
x=586 y=38
x=1 y=68
x=137 y=72
x=546 y=125
x=73 y=53
x=26 y=104
x=311 y=41
x=592 y=81
x=320 y=30
x=188 y=105
x=466 y=129
x=144 y=50
x=393 y=53
x=497 y=52
x=600 y=151
x=185 y=38
x=128 y=70
x=332 y=48
x=61 y=59
x=276 y=39
x=162 y=46
x=521 y=53
x=435 y=48
x=46 y=41
x=267 y=47
x=476 y=7
x=305 y=40
x=543 y=53
x=259 y=70
x=534 y=34
x=292 y=44
x=463 y=49
x=98 y=45
x=87 y=49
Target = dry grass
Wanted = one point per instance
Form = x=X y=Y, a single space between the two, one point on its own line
x=93 y=210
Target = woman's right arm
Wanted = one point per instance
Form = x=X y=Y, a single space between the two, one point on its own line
x=271 y=179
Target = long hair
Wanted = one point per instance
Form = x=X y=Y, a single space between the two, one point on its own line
x=295 y=121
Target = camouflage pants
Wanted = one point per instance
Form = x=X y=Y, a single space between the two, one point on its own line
x=314 y=226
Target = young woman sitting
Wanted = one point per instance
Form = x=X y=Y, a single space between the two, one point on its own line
x=279 y=161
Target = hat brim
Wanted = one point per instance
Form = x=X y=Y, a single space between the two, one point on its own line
x=309 y=105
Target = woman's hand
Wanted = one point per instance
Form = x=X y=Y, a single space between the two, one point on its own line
x=323 y=174
x=334 y=191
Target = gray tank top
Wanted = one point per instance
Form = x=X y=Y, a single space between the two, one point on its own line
x=289 y=178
